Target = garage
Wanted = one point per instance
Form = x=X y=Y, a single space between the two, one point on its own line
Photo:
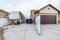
x=49 y=14
x=48 y=19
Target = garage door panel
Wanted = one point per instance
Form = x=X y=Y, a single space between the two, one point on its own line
x=48 y=19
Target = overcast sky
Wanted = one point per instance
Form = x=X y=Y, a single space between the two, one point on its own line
x=25 y=6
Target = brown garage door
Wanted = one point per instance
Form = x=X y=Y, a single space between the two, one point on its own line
x=48 y=19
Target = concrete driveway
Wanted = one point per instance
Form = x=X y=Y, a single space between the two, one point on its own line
x=29 y=32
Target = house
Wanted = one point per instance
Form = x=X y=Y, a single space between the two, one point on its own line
x=48 y=15
x=4 y=18
x=4 y=14
x=16 y=16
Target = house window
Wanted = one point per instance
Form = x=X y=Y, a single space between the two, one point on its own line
x=48 y=8
x=6 y=14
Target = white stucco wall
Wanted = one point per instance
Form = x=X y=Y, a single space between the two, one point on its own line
x=3 y=21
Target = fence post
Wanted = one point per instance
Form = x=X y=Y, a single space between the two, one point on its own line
x=1 y=33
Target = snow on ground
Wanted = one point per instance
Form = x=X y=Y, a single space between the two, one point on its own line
x=29 y=32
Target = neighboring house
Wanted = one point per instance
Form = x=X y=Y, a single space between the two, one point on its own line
x=4 y=14
x=4 y=18
x=16 y=16
x=49 y=15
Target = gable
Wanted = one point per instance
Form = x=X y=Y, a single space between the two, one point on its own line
x=48 y=9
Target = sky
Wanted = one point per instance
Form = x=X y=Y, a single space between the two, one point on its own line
x=25 y=6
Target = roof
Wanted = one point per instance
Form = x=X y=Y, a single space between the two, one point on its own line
x=36 y=11
x=51 y=6
x=4 y=11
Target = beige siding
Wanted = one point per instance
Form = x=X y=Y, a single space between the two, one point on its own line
x=48 y=9
x=48 y=13
x=32 y=15
x=3 y=14
x=59 y=16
